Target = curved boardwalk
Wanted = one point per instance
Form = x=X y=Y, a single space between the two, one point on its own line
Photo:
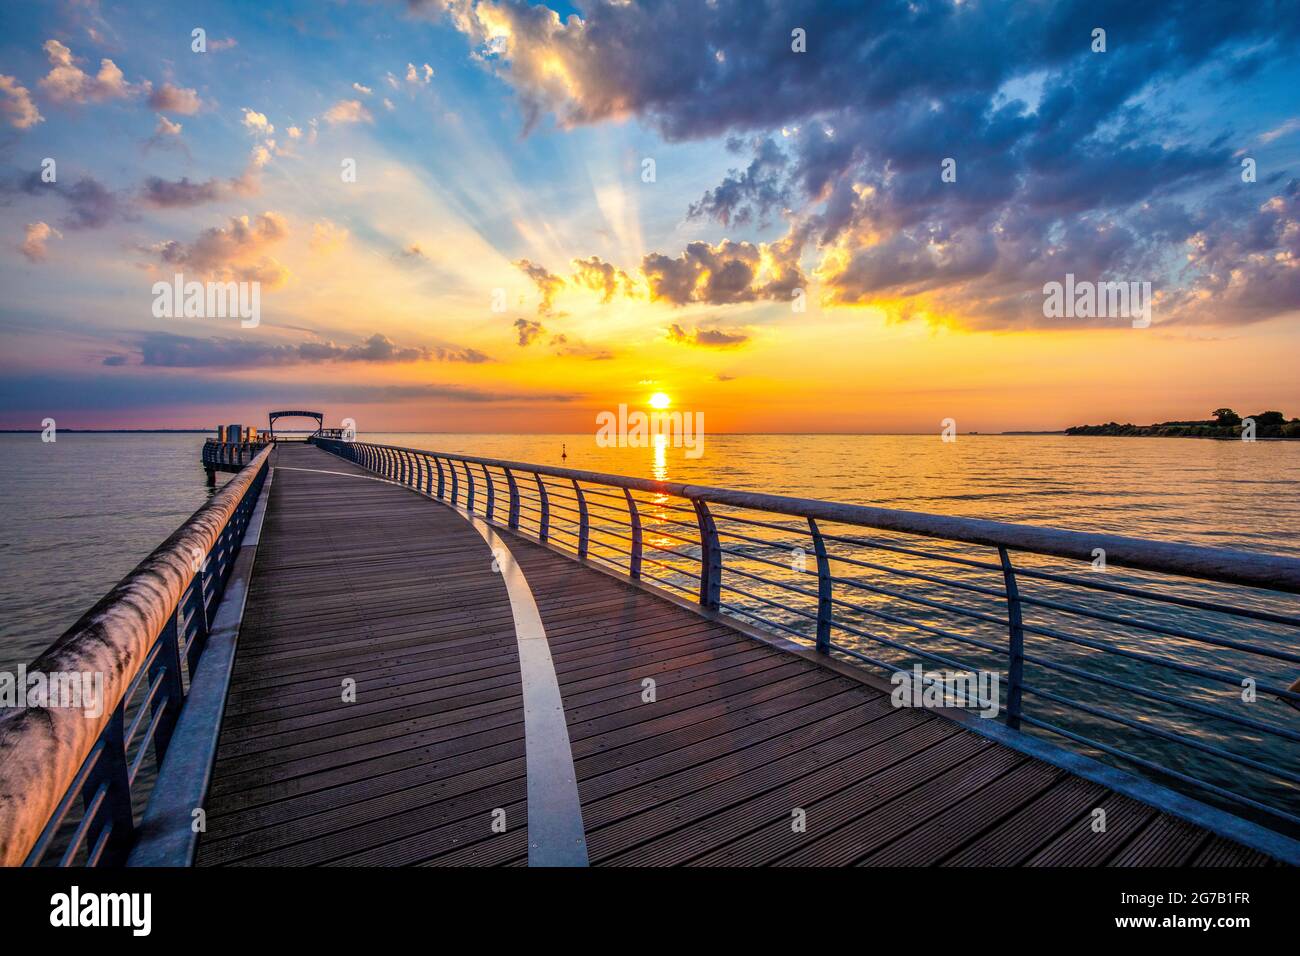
x=361 y=580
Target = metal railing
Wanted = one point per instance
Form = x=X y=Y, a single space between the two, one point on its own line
x=1176 y=660
x=228 y=455
x=143 y=640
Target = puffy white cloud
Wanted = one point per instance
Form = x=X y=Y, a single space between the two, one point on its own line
x=347 y=111
x=68 y=83
x=16 y=104
x=36 y=235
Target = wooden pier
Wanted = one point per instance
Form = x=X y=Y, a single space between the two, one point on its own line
x=362 y=580
x=370 y=665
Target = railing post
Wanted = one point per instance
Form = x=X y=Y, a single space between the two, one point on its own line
x=634 y=516
x=167 y=662
x=110 y=773
x=513 y=519
x=584 y=523
x=441 y=486
x=199 y=604
x=469 y=496
x=825 y=605
x=710 y=557
x=544 y=522
x=428 y=474
x=1016 y=651
x=491 y=493
x=455 y=481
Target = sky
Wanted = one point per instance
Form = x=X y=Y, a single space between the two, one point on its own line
x=789 y=215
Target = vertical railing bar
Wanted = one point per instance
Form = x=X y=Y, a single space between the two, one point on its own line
x=634 y=516
x=513 y=519
x=111 y=771
x=584 y=523
x=825 y=595
x=441 y=485
x=491 y=493
x=1016 y=648
x=544 y=526
x=168 y=663
x=469 y=496
x=710 y=557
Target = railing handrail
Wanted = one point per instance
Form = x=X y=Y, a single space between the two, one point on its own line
x=43 y=748
x=1259 y=570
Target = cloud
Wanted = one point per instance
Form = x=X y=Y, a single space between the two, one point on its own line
x=164 y=350
x=707 y=338
x=256 y=122
x=528 y=331
x=16 y=104
x=226 y=43
x=363 y=90
x=723 y=274
x=1066 y=161
x=548 y=284
x=68 y=83
x=469 y=356
x=90 y=204
x=235 y=251
x=174 y=99
x=167 y=194
x=757 y=190
x=418 y=77
x=561 y=345
x=348 y=111
x=328 y=236
x=36 y=235
x=603 y=277
x=1290 y=126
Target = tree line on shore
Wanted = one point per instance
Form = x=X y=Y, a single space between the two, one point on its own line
x=1225 y=424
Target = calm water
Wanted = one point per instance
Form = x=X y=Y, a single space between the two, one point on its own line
x=80 y=513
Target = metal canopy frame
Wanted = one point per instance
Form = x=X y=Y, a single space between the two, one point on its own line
x=274 y=416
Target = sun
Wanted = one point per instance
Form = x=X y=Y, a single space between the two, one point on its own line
x=660 y=400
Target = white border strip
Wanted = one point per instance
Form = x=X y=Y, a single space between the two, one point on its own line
x=555 y=832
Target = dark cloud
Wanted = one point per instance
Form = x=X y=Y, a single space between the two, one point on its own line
x=749 y=193
x=170 y=194
x=90 y=204
x=528 y=331
x=165 y=350
x=724 y=274
x=1066 y=160
x=471 y=356
x=707 y=338
x=548 y=284
x=35 y=396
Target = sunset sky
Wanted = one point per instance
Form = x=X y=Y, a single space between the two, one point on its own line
x=504 y=146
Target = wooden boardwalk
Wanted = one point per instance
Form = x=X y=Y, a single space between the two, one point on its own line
x=363 y=581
